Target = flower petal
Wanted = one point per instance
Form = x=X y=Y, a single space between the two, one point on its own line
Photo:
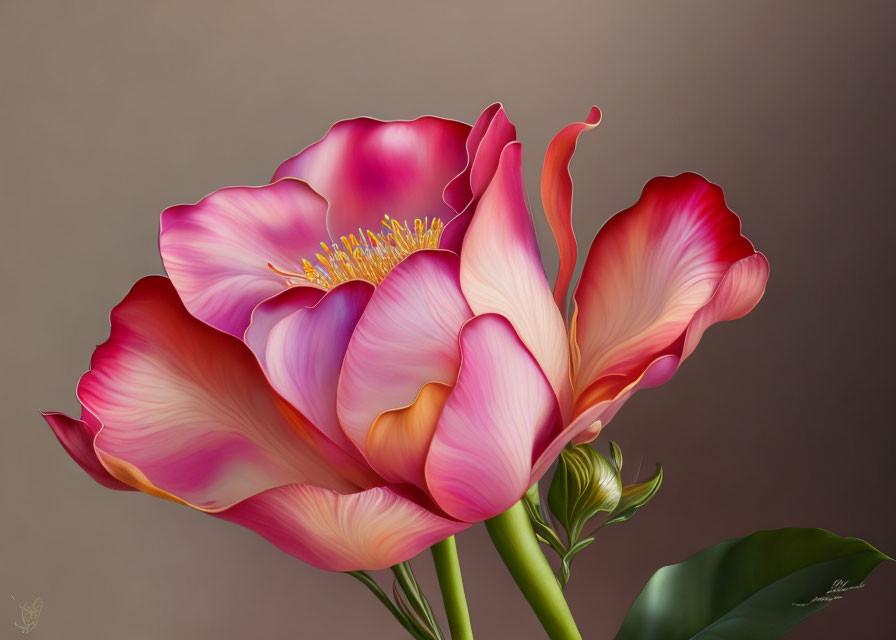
x=76 y=437
x=616 y=390
x=492 y=132
x=368 y=168
x=656 y=276
x=187 y=413
x=369 y=530
x=304 y=350
x=217 y=251
x=556 y=197
x=458 y=193
x=268 y=313
x=501 y=271
x=399 y=440
x=406 y=337
x=500 y=416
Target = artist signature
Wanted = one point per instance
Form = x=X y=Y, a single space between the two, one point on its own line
x=30 y=614
x=839 y=586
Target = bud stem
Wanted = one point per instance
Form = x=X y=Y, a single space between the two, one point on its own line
x=444 y=554
x=515 y=540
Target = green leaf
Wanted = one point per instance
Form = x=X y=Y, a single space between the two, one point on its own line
x=584 y=484
x=751 y=588
x=635 y=496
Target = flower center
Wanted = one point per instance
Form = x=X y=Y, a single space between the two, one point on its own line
x=367 y=256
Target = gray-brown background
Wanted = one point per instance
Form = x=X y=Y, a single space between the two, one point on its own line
x=111 y=111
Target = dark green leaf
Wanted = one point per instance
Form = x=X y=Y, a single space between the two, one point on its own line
x=751 y=588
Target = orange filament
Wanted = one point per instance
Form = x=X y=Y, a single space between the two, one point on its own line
x=367 y=256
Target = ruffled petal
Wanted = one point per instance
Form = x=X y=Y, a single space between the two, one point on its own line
x=406 y=337
x=369 y=530
x=458 y=193
x=656 y=276
x=492 y=132
x=501 y=271
x=218 y=251
x=187 y=413
x=556 y=197
x=302 y=353
x=76 y=437
x=499 y=418
x=367 y=169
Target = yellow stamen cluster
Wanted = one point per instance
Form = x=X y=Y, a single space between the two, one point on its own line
x=367 y=256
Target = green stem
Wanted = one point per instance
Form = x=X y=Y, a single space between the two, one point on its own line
x=444 y=554
x=417 y=599
x=515 y=540
x=371 y=584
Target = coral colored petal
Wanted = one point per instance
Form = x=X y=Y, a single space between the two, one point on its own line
x=499 y=418
x=76 y=437
x=406 y=337
x=303 y=354
x=556 y=197
x=501 y=271
x=399 y=439
x=737 y=294
x=613 y=393
x=217 y=251
x=496 y=133
x=650 y=272
x=367 y=169
x=369 y=530
x=187 y=412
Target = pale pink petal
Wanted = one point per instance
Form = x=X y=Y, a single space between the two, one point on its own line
x=302 y=353
x=76 y=437
x=188 y=414
x=217 y=251
x=499 y=418
x=367 y=169
x=492 y=132
x=501 y=272
x=406 y=337
x=556 y=196
x=654 y=271
x=369 y=530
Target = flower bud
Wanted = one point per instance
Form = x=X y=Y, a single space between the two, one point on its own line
x=584 y=484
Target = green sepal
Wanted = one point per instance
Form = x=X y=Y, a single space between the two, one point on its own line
x=537 y=516
x=616 y=455
x=635 y=496
x=566 y=560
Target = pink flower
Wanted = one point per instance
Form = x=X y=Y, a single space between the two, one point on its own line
x=357 y=403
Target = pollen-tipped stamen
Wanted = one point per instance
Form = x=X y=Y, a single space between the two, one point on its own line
x=366 y=256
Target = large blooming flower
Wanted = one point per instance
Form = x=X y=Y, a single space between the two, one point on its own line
x=364 y=356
